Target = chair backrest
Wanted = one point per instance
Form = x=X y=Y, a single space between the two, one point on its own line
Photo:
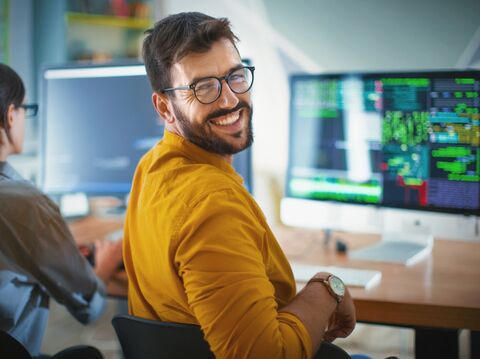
x=143 y=338
x=331 y=351
x=12 y=348
x=79 y=352
x=152 y=339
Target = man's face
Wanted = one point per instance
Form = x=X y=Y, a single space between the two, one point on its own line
x=224 y=126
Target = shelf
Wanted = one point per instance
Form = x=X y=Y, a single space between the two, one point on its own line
x=108 y=20
x=4 y=31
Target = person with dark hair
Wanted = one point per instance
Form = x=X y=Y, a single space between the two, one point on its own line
x=197 y=247
x=38 y=255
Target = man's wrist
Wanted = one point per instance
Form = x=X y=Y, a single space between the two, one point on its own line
x=103 y=273
x=332 y=283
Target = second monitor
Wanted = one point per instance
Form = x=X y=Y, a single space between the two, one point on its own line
x=389 y=151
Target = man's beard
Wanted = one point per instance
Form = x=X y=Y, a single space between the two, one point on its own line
x=202 y=135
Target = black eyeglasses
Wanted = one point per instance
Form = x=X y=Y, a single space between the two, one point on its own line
x=208 y=89
x=30 y=109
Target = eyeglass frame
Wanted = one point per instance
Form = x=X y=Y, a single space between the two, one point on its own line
x=33 y=107
x=219 y=79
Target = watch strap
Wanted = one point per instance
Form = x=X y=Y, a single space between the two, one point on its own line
x=326 y=283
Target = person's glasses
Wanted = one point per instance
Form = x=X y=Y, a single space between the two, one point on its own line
x=30 y=109
x=208 y=89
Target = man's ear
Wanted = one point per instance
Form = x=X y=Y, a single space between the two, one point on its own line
x=163 y=106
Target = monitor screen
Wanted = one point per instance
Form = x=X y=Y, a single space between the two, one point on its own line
x=402 y=140
x=97 y=122
x=242 y=162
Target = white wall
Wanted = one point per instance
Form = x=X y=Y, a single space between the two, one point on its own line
x=378 y=34
x=283 y=36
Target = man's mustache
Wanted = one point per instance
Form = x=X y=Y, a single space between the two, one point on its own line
x=224 y=112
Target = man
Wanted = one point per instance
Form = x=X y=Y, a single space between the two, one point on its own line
x=197 y=247
x=38 y=255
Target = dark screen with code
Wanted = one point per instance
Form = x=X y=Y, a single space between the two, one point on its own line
x=404 y=140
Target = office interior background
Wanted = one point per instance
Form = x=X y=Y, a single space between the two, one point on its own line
x=279 y=37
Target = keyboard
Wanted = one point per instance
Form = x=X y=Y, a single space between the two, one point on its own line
x=115 y=235
x=352 y=277
x=407 y=253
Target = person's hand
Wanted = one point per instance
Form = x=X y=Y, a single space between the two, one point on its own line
x=108 y=255
x=342 y=322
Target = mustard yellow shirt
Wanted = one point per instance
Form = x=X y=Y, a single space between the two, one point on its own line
x=197 y=249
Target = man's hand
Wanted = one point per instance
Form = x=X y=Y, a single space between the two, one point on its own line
x=342 y=321
x=322 y=316
x=108 y=255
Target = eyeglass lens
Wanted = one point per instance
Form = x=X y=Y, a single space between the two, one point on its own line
x=30 y=110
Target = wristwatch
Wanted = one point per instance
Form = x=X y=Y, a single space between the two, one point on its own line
x=334 y=285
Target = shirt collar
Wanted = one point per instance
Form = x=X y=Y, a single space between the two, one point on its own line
x=9 y=172
x=199 y=154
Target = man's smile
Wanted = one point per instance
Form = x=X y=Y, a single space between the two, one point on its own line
x=227 y=120
x=231 y=122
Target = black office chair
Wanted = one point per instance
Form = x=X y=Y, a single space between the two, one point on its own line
x=79 y=352
x=143 y=338
x=331 y=351
x=12 y=348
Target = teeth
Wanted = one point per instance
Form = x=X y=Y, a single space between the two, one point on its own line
x=228 y=120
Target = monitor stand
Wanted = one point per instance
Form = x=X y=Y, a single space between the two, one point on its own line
x=116 y=210
x=115 y=207
x=397 y=247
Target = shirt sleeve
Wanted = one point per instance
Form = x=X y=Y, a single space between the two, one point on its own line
x=221 y=259
x=45 y=250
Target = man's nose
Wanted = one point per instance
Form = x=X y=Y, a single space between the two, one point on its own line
x=228 y=98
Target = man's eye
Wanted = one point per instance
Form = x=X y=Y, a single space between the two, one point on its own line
x=205 y=86
x=236 y=77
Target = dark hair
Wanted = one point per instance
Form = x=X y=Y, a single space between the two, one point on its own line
x=174 y=37
x=12 y=91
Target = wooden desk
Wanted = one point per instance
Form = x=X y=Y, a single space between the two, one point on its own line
x=86 y=231
x=441 y=292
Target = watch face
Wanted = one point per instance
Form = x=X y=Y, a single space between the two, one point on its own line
x=337 y=285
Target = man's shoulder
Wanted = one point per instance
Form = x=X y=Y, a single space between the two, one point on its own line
x=205 y=178
x=167 y=172
x=172 y=165
x=194 y=182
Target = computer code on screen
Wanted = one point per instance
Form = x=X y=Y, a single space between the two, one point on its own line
x=407 y=140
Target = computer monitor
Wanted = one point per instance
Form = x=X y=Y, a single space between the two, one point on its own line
x=374 y=152
x=97 y=122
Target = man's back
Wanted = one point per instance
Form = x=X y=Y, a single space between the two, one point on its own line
x=197 y=247
x=198 y=250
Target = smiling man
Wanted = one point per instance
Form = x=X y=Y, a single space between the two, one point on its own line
x=223 y=124
x=197 y=248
